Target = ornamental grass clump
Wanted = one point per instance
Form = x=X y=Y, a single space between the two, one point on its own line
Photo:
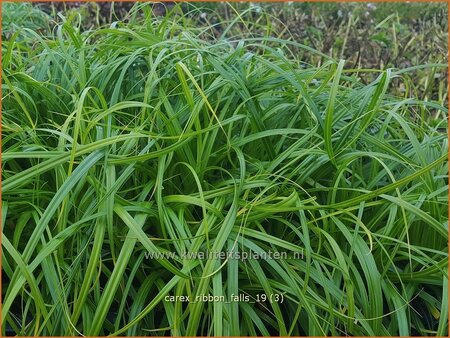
x=144 y=138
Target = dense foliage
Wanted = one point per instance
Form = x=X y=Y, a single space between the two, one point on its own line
x=146 y=136
x=366 y=35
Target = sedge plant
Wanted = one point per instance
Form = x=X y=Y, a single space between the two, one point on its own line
x=143 y=139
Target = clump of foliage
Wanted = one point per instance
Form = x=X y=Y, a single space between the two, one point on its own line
x=147 y=137
x=19 y=15
x=366 y=35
